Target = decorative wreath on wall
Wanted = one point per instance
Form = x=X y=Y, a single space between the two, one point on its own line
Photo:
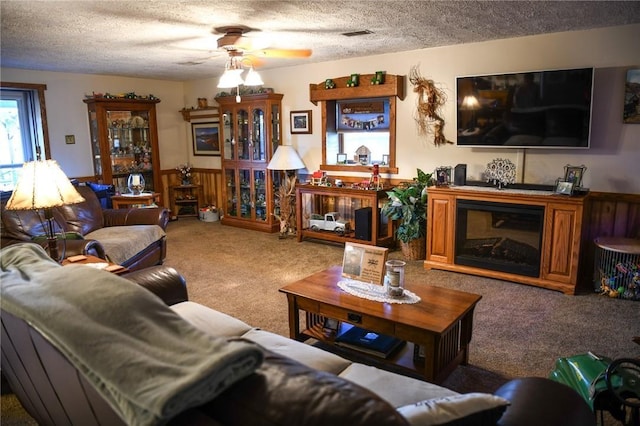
x=430 y=101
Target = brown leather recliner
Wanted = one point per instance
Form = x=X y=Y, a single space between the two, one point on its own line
x=19 y=226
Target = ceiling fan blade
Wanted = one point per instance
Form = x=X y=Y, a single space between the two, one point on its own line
x=255 y=61
x=282 y=53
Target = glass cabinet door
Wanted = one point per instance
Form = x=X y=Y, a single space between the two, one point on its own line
x=129 y=146
x=260 y=194
x=258 y=136
x=232 y=193
x=95 y=141
x=227 y=130
x=243 y=141
x=246 y=205
x=275 y=128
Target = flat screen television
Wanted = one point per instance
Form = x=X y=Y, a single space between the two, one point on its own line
x=537 y=109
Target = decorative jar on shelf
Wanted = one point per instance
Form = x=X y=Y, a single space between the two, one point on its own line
x=135 y=183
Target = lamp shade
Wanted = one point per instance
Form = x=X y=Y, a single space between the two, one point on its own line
x=285 y=158
x=230 y=78
x=470 y=103
x=253 y=78
x=42 y=184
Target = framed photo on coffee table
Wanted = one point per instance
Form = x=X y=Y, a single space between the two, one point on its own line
x=363 y=262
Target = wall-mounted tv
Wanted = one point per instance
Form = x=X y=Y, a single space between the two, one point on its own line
x=537 y=109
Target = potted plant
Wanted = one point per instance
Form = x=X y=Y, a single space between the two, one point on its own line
x=408 y=205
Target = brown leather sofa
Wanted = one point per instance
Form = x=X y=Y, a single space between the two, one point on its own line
x=133 y=238
x=296 y=383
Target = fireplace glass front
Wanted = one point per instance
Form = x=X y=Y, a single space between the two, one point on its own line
x=499 y=236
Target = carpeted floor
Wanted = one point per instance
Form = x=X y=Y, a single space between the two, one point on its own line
x=518 y=330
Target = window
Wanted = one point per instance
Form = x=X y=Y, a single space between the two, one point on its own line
x=23 y=131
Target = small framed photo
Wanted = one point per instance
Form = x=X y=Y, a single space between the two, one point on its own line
x=443 y=176
x=574 y=174
x=301 y=122
x=341 y=158
x=385 y=159
x=362 y=262
x=564 y=187
x=206 y=138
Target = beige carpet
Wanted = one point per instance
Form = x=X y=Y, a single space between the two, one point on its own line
x=518 y=330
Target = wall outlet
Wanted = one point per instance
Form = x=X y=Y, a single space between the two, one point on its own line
x=70 y=139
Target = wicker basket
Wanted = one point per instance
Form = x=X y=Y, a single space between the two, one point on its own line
x=414 y=249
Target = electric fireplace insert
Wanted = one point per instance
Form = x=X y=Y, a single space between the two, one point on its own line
x=501 y=237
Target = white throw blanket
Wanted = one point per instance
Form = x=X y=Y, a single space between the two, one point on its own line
x=148 y=362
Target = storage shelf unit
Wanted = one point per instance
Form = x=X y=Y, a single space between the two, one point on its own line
x=185 y=200
x=314 y=199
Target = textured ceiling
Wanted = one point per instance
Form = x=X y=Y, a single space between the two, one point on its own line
x=173 y=40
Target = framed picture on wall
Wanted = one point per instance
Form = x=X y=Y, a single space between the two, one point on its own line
x=206 y=138
x=301 y=122
x=631 y=114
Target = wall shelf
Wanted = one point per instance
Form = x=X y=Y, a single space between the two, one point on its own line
x=194 y=113
x=394 y=85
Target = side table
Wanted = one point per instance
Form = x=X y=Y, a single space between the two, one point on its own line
x=86 y=260
x=185 y=200
x=144 y=199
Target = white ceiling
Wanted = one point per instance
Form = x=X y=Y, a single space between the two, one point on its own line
x=173 y=40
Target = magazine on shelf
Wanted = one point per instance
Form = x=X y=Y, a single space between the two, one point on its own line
x=359 y=339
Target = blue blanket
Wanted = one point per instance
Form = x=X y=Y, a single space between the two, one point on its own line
x=148 y=362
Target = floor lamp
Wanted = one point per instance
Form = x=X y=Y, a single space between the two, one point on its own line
x=43 y=186
x=286 y=159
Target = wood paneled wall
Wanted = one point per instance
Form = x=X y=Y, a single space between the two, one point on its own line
x=210 y=179
x=606 y=215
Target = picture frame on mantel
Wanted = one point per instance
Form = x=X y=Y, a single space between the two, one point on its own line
x=301 y=122
x=206 y=138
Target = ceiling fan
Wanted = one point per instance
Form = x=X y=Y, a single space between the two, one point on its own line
x=237 y=44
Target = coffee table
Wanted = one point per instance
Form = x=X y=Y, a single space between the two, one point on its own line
x=437 y=329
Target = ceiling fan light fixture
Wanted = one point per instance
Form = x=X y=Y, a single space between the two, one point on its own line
x=253 y=78
x=230 y=78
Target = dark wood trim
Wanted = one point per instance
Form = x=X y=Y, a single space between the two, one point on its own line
x=40 y=88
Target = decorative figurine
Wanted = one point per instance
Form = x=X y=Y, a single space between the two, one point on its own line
x=354 y=80
x=329 y=84
x=378 y=78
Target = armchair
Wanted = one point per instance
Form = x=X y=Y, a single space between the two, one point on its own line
x=133 y=238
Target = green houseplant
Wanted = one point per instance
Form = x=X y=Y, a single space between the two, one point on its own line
x=407 y=204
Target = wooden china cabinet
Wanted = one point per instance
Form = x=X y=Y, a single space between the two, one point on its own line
x=124 y=140
x=251 y=130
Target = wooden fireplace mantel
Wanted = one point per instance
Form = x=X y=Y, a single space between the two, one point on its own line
x=561 y=234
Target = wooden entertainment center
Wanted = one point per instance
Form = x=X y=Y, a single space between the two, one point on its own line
x=560 y=243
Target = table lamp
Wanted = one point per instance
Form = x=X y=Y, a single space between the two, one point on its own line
x=286 y=158
x=42 y=186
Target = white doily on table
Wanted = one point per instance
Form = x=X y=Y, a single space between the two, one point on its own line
x=376 y=292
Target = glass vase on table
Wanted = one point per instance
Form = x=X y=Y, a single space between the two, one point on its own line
x=135 y=183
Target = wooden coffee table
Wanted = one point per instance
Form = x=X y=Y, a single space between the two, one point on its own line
x=440 y=324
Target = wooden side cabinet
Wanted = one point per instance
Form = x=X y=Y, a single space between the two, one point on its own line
x=440 y=236
x=185 y=200
x=556 y=241
x=361 y=208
